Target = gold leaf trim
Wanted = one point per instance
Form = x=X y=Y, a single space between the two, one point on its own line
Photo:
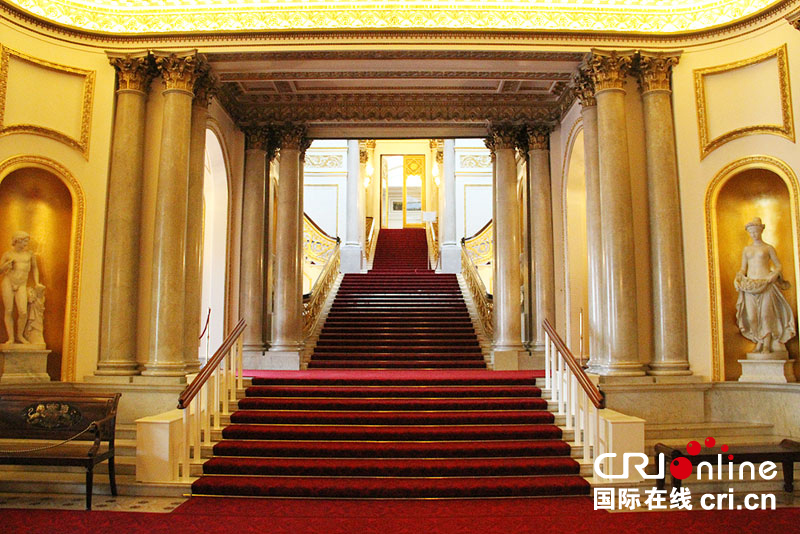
x=786 y=129
x=81 y=144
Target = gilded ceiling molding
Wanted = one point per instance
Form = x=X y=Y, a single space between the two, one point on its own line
x=178 y=70
x=785 y=129
x=248 y=76
x=82 y=143
x=134 y=71
x=608 y=69
x=654 y=70
x=148 y=16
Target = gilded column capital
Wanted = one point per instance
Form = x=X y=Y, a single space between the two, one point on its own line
x=654 y=71
x=608 y=69
x=794 y=20
x=205 y=85
x=584 y=87
x=440 y=157
x=363 y=155
x=178 y=72
x=256 y=138
x=539 y=136
x=503 y=136
x=293 y=136
x=370 y=144
x=134 y=72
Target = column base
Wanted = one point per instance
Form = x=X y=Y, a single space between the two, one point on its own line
x=450 y=259
x=23 y=363
x=164 y=369
x=632 y=369
x=507 y=359
x=253 y=356
x=769 y=371
x=282 y=360
x=117 y=368
x=669 y=369
x=350 y=258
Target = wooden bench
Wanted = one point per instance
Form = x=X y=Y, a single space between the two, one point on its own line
x=785 y=453
x=81 y=424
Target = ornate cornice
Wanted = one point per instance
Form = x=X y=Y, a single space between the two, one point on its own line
x=249 y=76
x=539 y=136
x=179 y=71
x=654 y=70
x=134 y=71
x=609 y=68
x=584 y=87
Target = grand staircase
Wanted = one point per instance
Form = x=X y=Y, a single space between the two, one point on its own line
x=397 y=403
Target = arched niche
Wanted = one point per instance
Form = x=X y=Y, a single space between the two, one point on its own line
x=758 y=186
x=575 y=244
x=41 y=197
x=216 y=226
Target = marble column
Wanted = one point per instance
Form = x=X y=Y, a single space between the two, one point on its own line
x=507 y=310
x=594 y=244
x=451 y=250
x=363 y=157
x=608 y=70
x=541 y=229
x=253 y=268
x=287 y=320
x=670 y=354
x=203 y=90
x=352 y=252
x=118 y=308
x=166 y=355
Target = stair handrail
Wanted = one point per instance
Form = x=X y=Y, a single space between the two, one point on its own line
x=314 y=300
x=370 y=239
x=433 y=245
x=578 y=398
x=483 y=300
x=225 y=367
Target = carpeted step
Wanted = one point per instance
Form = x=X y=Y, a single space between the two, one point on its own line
x=382 y=487
x=289 y=417
x=291 y=403
x=537 y=466
x=405 y=356
x=398 y=378
x=395 y=391
x=391 y=433
x=397 y=364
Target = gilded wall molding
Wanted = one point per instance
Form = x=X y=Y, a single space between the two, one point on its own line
x=712 y=245
x=146 y=16
x=786 y=129
x=71 y=317
x=327 y=161
x=82 y=143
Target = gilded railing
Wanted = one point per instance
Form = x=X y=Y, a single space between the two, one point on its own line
x=372 y=235
x=477 y=251
x=431 y=232
x=320 y=255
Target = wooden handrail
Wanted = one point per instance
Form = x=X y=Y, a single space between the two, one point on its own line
x=205 y=373
x=320 y=230
x=479 y=232
x=592 y=392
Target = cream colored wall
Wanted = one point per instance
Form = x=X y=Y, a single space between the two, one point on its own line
x=90 y=173
x=696 y=174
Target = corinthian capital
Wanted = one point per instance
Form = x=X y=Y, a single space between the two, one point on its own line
x=608 y=69
x=205 y=85
x=134 y=71
x=256 y=138
x=654 y=70
x=179 y=72
x=794 y=20
x=293 y=136
x=539 y=137
x=502 y=136
x=584 y=88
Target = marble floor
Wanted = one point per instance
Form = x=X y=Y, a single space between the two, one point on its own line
x=64 y=501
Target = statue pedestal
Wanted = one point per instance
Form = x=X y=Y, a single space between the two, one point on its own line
x=23 y=363
x=775 y=370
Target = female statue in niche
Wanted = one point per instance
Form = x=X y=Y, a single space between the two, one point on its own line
x=16 y=265
x=762 y=312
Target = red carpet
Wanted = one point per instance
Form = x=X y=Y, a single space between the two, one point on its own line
x=387 y=410
x=494 y=516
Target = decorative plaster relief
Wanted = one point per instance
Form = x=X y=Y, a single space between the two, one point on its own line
x=44 y=98
x=760 y=82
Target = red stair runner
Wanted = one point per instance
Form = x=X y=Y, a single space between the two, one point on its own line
x=397 y=403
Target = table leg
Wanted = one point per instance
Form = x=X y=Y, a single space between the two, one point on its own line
x=788 y=475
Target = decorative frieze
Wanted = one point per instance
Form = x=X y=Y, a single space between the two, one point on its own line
x=475 y=161
x=654 y=71
x=539 y=136
x=134 y=72
x=179 y=72
x=609 y=69
x=584 y=87
x=325 y=161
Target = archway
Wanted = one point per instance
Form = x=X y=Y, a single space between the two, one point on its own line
x=575 y=246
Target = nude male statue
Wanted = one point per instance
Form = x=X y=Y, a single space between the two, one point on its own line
x=17 y=264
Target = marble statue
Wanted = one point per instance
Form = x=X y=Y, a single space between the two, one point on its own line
x=762 y=312
x=16 y=266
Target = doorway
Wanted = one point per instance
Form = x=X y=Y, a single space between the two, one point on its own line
x=402 y=190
